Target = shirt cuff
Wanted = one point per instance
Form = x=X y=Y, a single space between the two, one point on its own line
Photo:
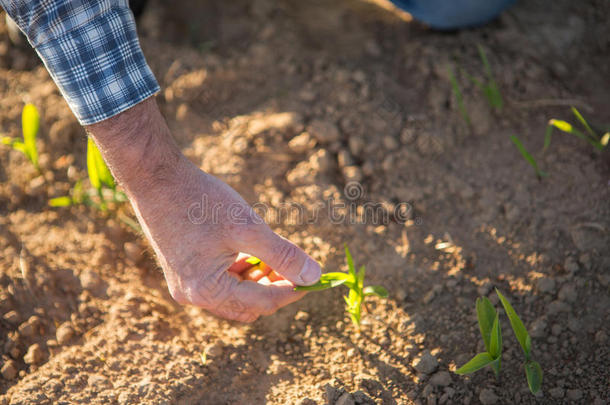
x=99 y=66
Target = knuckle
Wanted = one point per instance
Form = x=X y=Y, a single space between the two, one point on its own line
x=287 y=255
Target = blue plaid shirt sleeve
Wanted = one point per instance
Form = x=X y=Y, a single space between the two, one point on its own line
x=91 y=50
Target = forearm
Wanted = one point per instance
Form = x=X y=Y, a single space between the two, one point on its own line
x=138 y=146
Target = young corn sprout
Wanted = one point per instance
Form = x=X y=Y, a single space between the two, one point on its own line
x=352 y=280
x=528 y=157
x=488 y=86
x=99 y=177
x=596 y=140
x=30 y=122
x=489 y=324
x=457 y=93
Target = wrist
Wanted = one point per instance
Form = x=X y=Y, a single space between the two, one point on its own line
x=138 y=147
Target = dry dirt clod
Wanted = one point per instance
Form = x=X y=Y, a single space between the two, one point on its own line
x=345 y=399
x=214 y=350
x=35 y=355
x=324 y=131
x=546 y=285
x=302 y=143
x=9 y=370
x=557 y=392
x=426 y=364
x=574 y=395
x=571 y=265
x=441 y=379
x=12 y=317
x=488 y=397
x=568 y=293
x=352 y=173
x=133 y=252
x=64 y=333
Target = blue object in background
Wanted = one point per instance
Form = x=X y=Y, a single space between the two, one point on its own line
x=452 y=14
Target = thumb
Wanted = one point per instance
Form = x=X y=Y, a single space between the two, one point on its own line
x=286 y=258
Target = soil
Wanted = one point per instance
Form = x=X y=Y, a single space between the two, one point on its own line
x=86 y=315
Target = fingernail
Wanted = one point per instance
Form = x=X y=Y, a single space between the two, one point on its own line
x=310 y=273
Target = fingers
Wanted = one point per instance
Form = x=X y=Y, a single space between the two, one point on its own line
x=285 y=258
x=266 y=299
x=244 y=301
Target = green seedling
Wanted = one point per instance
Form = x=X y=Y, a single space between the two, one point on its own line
x=352 y=280
x=489 y=87
x=533 y=371
x=99 y=177
x=489 y=324
x=596 y=140
x=459 y=98
x=528 y=157
x=30 y=122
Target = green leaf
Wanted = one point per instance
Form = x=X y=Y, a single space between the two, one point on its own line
x=94 y=176
x=20 y=146
x=336 y=275
x=495 y=366
x=354 y=301
x=98 y=171
x=320 y=285
x=30 y=122
x=375 y=290
x=547 y=137
x=526 y=155
x=485 y=315
x=350 y=262
x=533 y=372
x=60 y=202
x=562 y=125
x=455 y=87
x=517 y=325
x=495 y=344
x=568 y=128
x=7 y=140
x=584 y=122
x=78 y=196
x=361 y=279
x=253 y=260
x=476 y=363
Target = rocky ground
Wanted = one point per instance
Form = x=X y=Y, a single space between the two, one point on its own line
x=319 y=104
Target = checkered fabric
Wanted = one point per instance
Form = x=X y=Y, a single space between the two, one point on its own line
x=91 y=50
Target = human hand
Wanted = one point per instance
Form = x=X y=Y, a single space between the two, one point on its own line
x=197 y=224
